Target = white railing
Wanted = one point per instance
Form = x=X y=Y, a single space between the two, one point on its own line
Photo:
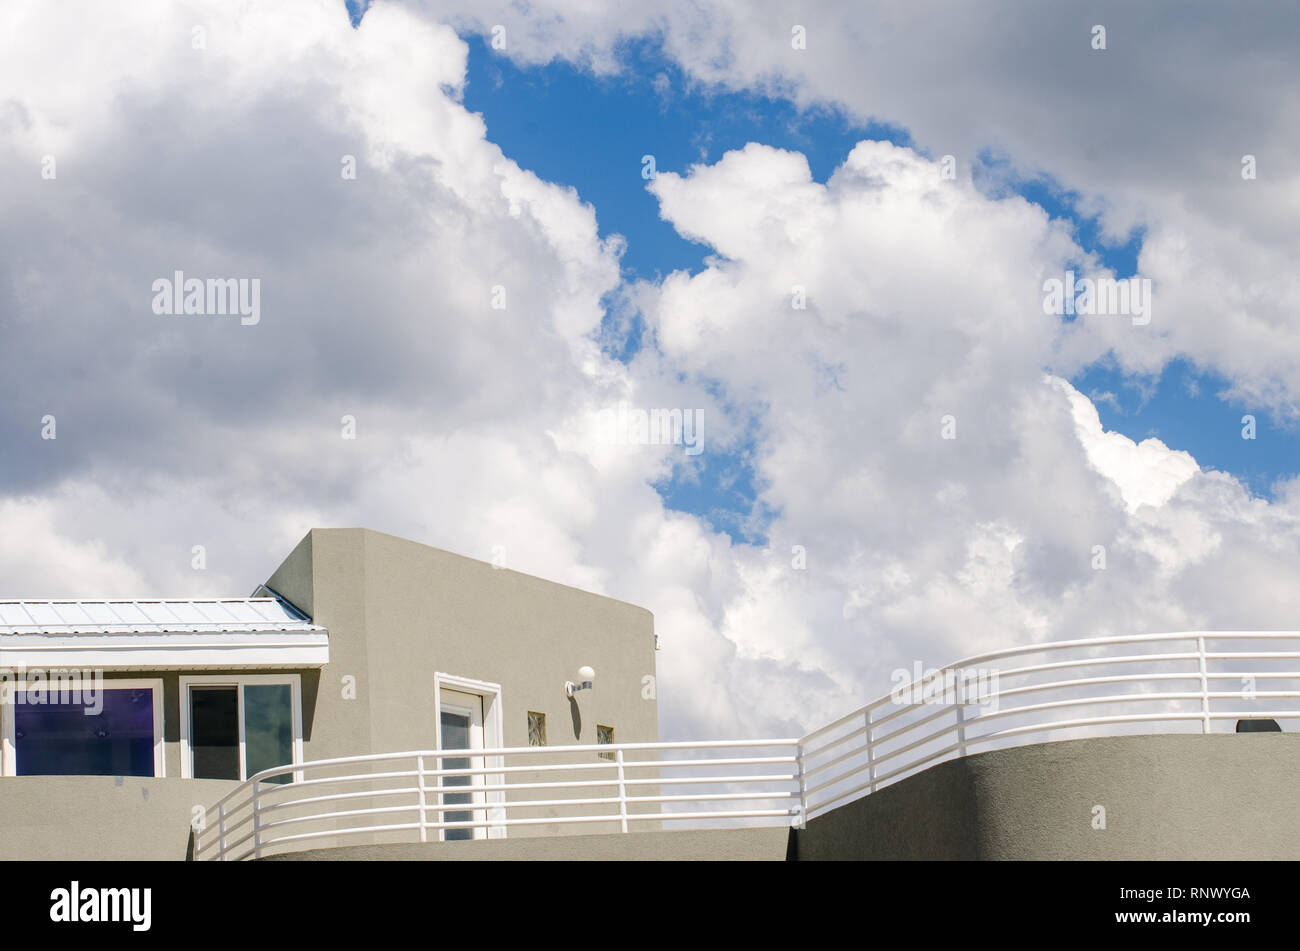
x=1162 y=683
x=430 y=795
x=1152 y=683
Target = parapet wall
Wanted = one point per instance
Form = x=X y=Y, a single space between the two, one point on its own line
x=79 y=818
x=1217 y=796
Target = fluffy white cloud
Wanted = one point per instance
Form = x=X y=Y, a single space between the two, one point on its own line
x=1151 y=131
x=924 y=303
x=479 y=427
x=1146 y=473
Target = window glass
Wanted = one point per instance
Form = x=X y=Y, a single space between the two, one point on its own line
x=72 y=739
x=455 y=736
x=214 y=731
x=268 y=728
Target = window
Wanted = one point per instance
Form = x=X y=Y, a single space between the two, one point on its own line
x=536 y=729
x=604 y=734
x=470 y=717
x=234 y=727
x=84 y=727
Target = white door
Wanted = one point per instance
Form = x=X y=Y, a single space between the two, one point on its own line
x=460 y=722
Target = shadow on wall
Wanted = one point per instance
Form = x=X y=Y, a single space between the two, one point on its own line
x=576 y=714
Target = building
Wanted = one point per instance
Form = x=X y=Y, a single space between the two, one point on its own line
x=358 y=643
x=377 y=698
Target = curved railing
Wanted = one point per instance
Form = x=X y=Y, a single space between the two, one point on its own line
x=1199 y=681
x=1192 y=681
x=429 y=795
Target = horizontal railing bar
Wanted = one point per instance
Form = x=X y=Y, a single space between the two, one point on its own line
x=856 y=751
x=947 y=707
x=514 y=787
x=689 y=780
x=750 y=761
x=599 y=748
x=1253 y=655
x=490 y=823
x=939 y=697
x=363 y=794
x=533 y=803
x=1015 y=711
x=322 y=816
x=1048 y=647
x=943 y=707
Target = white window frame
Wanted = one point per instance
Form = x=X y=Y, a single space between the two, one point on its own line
x=9 y=756
x=239 y=681
x=493 y=738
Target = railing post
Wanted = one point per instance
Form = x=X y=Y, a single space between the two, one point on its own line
x=960 y=709
x=441 y=808
x=801 y=821
x=871 y=756
x=257 y=820
x=622 y=789
x=424 y=821
x=221 y=832
x=1205 y=686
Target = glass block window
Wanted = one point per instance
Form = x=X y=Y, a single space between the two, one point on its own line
x=536 y=729
x=605 y=734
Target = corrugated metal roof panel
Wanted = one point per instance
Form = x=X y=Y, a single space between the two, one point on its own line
x=150 y=616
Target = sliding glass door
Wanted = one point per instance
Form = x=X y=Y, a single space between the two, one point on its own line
x=235 y=727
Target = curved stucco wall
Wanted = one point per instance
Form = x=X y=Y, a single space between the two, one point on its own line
x=698 y=845
x=1218 y=796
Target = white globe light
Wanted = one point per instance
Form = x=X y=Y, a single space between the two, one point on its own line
x=586 y=674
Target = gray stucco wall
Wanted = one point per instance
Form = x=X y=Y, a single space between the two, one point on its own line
x=705 y=845
x=1221 y=796
x=398 y=612
x=100 y=817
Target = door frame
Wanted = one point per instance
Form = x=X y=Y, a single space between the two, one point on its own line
x=493 y=738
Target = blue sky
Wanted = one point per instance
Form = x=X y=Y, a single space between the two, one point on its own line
x=590 y=132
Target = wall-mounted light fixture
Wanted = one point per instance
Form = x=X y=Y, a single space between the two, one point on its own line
x=586 y=680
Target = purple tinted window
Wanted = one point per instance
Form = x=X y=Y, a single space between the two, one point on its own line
x=59 y=739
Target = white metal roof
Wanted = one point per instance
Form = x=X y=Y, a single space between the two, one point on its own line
x=160 y=634
x=159 y=616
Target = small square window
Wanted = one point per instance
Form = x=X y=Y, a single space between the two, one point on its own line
x=604 y=734
x=536 y=729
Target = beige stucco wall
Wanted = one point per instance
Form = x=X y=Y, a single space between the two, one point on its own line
x=398 y=612
x=1221 y=796
x=79 y=818
x=691 y=845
